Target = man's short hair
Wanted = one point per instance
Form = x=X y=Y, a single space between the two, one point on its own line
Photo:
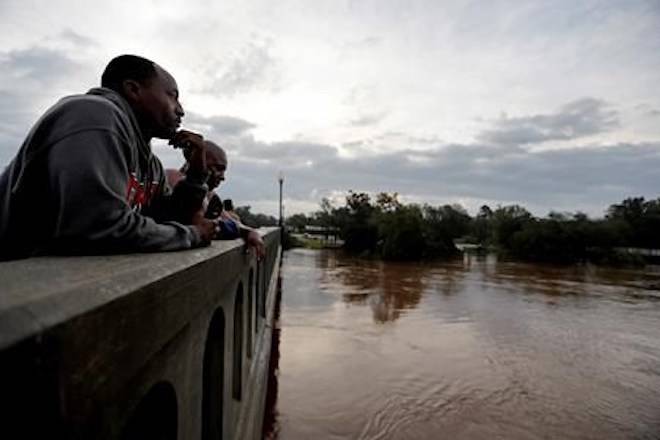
x=124 y=67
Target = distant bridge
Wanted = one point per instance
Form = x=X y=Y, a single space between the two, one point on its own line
x=329 y=234
x=142 y=346
x=650 y=255
x=640 y=251
x=321 y=230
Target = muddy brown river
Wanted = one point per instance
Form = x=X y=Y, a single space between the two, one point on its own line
x=467 y=349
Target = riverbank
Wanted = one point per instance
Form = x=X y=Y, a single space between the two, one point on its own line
x=607 y=257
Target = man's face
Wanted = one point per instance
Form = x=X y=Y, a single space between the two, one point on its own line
x=158 y=107
x=216 y=163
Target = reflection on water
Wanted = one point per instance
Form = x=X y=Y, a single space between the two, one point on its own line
x=467 y=349
x=387 y=292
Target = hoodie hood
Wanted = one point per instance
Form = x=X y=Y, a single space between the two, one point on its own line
x=123 y=105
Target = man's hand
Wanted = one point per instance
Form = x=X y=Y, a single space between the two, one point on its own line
x=194 y=150
x=206 y=228
x=253 y=240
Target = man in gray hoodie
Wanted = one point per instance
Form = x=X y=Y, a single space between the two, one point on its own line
x=85 y=181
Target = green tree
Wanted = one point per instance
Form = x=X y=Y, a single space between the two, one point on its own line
x=358 y=230
x=387 y=202
x=254 y=220
x=325 y=216
x=482 y=228
x=441 y=226
x=557 y=238
x=401 y=233
x=297 y=222
x=508 y=220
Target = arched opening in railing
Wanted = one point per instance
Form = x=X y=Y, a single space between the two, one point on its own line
x=267 y=261
x=214 y=378
x=257 y=296
x=237 y=349
x=250 y=312
x=262 y=289
x=155 y=417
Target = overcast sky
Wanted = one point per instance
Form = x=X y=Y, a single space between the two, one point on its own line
x=554 y=105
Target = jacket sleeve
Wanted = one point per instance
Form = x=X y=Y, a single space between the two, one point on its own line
x=179 y=204
x=214 y=208
x=89 y=175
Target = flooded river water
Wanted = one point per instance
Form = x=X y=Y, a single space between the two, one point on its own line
x=467 y=349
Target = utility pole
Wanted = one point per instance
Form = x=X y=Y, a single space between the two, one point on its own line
x=281 y=180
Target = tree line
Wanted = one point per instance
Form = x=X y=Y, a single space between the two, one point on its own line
x=385 y=227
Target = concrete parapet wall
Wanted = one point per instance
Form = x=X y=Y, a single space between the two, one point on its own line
x=167 y=345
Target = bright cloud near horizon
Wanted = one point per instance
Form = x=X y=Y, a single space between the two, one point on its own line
x=554 y=105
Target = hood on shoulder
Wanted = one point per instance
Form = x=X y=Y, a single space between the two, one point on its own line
x=124 y=106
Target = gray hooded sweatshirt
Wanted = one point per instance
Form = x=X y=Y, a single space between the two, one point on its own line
x=85 y=182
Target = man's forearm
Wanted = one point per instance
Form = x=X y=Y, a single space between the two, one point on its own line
x=186 y=200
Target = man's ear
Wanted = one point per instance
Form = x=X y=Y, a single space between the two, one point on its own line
x=131 y=89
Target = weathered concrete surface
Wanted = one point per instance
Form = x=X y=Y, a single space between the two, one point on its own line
x=84 y=339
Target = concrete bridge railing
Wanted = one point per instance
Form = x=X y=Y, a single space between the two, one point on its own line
x=143 y=346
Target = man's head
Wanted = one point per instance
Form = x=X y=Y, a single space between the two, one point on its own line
x=151 y=92
x=216 y=163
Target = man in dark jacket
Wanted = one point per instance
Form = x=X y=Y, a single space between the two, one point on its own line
x=85 y=180
x=229 y=226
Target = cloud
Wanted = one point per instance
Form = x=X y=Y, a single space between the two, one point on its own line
x=38 y=64
x=368 y=119
x=76 y=39
x=30 y=80
x=14 y=114
x=254 y=67
x=577 y=119
x=288 y=154
x=366 y=42
x=580 y=178
x=219 y=126
x=647 y=110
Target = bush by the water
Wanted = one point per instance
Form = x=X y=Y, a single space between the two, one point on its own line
x=392 y=230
